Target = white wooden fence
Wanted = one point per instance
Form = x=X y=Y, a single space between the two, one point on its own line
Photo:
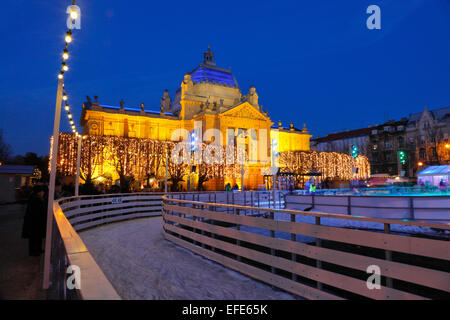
x=333 y=265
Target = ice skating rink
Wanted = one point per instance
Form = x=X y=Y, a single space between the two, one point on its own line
x=141 y=264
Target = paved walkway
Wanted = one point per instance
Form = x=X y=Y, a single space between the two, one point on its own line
x=141 y=264
x=19 y=274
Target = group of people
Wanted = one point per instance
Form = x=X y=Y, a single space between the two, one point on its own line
x=35 y=220
x=229 y=188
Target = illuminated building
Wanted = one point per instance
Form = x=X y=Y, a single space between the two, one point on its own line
x=208 y=96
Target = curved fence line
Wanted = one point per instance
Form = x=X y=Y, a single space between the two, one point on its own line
x=74 y=214
x=308 y=258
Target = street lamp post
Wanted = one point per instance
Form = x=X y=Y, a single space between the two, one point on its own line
x=51 y=193
x=77 y=178
x=167 y=163
x=274 y=170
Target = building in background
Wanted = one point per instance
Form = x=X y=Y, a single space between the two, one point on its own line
x=208 y=96
x=343 y=141
x=12 y=178
x=388 y=151
x=428 y=131
x=397 y=148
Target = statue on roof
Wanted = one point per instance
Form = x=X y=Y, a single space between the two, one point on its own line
x=252 y=97
x=208 y=57
x=166 y=102
x=88 y=101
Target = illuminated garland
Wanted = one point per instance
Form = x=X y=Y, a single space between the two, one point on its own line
x=125 y=156
x=65 y=68
x=332 y=165
x=142 y=158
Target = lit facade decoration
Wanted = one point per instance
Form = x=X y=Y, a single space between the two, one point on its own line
x=331 y=165
x=123 y=141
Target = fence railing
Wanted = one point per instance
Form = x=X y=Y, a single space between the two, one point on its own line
x=431 y=208
x=74 y=214
x=89 y=211
x=69 y=250
x=297 y=252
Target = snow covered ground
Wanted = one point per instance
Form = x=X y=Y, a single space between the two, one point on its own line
x=141 y=264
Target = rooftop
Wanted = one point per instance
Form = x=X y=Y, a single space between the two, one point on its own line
x=16 y=169
x=207 y=71
x=343 y=135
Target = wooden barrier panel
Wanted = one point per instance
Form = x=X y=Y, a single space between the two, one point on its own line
x=187 y=219
x=411 y=245
x=422 y=276
x=433 y=208
x=94 y=284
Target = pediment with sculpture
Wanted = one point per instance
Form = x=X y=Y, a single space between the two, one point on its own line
x=245 y=110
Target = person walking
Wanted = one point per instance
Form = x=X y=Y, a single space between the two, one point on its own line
x=35 y=221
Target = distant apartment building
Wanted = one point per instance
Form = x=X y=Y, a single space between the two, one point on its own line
x=385 y=144
x=424 y=138
x=428 y=131
x=343 y=141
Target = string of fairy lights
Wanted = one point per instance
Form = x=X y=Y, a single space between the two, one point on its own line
x=65 y=68
x=140 y=156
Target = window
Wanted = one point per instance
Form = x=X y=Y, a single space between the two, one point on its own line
x=387 y=129
x=445 y=136
x=375 y=147
x=422 y=139
x=387 y=145
x=422 y=154
x=400 y=128
x=374 y=131
x=433 y=152
x=401 y=141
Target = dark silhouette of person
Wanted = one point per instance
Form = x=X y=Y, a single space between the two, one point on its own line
x=35 y=221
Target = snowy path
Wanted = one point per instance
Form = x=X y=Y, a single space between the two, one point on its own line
x=141 y=264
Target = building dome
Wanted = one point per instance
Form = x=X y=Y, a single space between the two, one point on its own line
x=208 y=72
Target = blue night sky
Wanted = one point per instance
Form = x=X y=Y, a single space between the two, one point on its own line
x=312 y=62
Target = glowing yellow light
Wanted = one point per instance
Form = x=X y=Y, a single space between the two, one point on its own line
x=65 y=67
x=60 y=76
x=69 y=116
x=420 y=164
x=65 y=54
x=68 y=37
x=66 y=107
x=64 y=97
x=447 y=146
x=73 y=14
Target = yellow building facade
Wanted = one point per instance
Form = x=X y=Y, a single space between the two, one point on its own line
x=209 y=102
